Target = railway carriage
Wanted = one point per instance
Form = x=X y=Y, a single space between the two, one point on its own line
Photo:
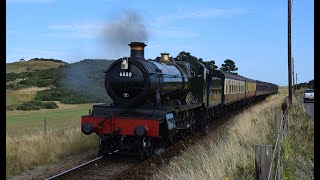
x=251 y=88
x=264 y=88
x=233 y=87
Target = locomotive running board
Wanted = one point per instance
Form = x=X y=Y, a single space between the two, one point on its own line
x=138 y=112
x=106 y=110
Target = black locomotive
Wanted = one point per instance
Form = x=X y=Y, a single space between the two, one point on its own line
x=157 y=102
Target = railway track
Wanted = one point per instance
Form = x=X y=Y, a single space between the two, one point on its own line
x=73 y=169
x=120 y=167
x=99 y=168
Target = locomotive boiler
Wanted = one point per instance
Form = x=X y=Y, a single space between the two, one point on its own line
x=135 y=81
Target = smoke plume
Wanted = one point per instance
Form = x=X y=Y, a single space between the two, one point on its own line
x=126 y=28
x=87 y=77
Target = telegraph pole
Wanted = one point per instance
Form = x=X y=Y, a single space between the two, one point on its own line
x=296 y=81
x=293 y=87
x=289 y=51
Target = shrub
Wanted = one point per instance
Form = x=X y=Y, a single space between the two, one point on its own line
x=50 y=105
x=41 y=78
x=11 y=76
x=69 y=96
x=36 y=105
x=9 y=86
x=28 y=106
x=10 y=108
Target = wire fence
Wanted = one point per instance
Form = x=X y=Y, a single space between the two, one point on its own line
x=265 y=164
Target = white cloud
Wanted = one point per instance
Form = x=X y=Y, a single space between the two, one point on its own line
x=76 y=30
x=30 y=1
x=77 y=35
x=199 y=14
x=95 y=30
x=162 y=25
x=76 y=27
x=27 y=54
x=213 y=13
x=158 y=25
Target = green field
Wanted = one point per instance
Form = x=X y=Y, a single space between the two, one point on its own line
x=18 y=67
x=20 y=123
x=11 y=99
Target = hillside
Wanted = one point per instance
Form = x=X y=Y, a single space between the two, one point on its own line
x=33 y=65
x=80 y=82
x=85 y=79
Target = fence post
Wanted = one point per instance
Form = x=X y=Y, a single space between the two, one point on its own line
x=285 y=106
x=263 y=161
x=278 y=129
x=45 y=125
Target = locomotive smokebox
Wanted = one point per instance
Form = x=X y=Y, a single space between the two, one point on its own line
x=137 y=50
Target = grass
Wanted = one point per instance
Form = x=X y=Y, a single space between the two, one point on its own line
x=18 y=67
x=11 y=99
x=232 y=154
x=15 y=97
x=27 y=146
x=21 y=123
x=25 y=153
x=298 y=147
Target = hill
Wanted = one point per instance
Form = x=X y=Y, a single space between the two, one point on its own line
x=35 y=64
x=80 y=82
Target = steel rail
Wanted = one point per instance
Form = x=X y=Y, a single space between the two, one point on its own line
x=72 y=169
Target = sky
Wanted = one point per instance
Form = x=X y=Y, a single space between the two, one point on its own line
x=251 y=33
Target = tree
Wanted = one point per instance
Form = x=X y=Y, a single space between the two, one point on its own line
x=229 y=66
x=184 y=55
x=211 y=64
x=187 y=56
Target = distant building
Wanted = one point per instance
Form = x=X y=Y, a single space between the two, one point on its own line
x=22 y=60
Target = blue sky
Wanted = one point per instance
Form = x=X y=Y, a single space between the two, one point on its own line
x=251 y=33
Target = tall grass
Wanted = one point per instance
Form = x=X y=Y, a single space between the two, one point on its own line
x=232 y=154
x=25 y=152
x=298 y=146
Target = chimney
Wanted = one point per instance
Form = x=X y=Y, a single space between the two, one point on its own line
x=137 y=50
x=164 y=58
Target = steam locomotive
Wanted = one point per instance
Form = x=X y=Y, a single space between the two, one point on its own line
x=157 y=102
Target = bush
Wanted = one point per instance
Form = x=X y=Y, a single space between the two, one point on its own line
x=11 y=76
x=69 y=96
x=28 y=106
x=9 y=86
x=36 y=105
x=10 y=108
x=41 y=78
x=50 y=105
